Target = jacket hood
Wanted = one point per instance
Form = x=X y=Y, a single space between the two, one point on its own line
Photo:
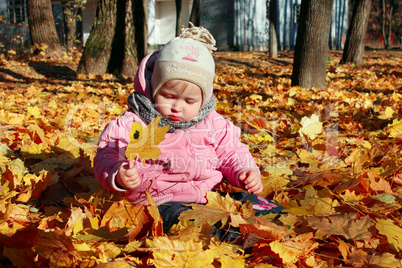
x=142 y=80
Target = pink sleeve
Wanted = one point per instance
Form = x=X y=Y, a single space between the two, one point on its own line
x=111 y=151
x=234 y=156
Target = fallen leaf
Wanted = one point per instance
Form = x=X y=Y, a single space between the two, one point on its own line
x=311 y=126
x=391 y=231
x=218 y=208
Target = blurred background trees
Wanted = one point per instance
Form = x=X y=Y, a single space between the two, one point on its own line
x=122 y=33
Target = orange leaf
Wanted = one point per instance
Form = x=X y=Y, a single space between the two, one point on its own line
x=218 y=208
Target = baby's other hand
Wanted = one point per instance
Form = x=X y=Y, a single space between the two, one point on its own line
x=251 y=180
x=128 y=177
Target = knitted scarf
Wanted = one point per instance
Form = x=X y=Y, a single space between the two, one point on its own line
x=145 y=109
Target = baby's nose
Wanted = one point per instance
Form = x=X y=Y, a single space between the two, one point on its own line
x=176 y=108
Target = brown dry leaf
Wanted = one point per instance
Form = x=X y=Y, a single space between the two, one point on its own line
x=218 y=208
x=360 y=258
x=58 y=249
x=313 y=204
x=265 y=229
x=35 y=185
x=347 y=226
x=379 y=185
x=20 y=257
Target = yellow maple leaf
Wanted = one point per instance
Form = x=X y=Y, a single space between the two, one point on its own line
x=34 y=111
x=175 y=253
x=290 y=251
x=391 y=231
x=388 y=113
x=314 y=203
x=218 y=208
x=395 y=129
x=279 y=169
x=172 y=252
x=262 y=137
x=311 y=126
x=144 y=141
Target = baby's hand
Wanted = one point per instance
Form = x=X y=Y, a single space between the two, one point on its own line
x=251 y=180
x=128 y=177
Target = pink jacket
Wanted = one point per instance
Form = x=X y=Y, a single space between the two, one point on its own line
x=192 y=161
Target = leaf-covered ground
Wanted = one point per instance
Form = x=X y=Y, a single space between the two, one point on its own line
x=332 y=157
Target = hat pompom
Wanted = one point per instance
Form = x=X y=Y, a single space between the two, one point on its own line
x=199 y=34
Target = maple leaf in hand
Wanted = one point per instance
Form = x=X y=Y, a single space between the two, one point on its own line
x=144 y=141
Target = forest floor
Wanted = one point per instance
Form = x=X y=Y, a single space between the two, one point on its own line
x=331 y=157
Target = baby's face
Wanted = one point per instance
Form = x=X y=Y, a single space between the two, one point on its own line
x=178 y=101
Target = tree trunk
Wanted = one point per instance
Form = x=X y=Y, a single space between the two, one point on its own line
x=195 y=16
x=311 y=51
x=70 y=23
x=112 y=44
x=43 y=29
x=354 y=46
x=273 y=41
x=98 y=47
x=389 y=33
x=178 y=16
x=141 y=27
x=71 y=13
x=123 y=58
x=384 y=24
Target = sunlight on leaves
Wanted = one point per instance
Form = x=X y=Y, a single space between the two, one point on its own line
x=311 y=126
x=330 y=157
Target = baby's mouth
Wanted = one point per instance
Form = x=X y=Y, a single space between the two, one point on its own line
x=174 y=118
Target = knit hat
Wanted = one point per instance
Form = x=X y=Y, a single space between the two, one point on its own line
x=187 y=57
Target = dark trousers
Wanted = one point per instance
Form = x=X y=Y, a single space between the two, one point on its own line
x=170 y=213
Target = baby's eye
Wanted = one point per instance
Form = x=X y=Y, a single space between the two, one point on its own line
x=168 y=96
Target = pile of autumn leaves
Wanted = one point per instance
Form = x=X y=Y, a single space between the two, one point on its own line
x=331 y=157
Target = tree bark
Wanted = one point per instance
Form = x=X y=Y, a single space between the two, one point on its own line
x=70 y=24
x=98 y=47
x=123 y=58
x=141 y=27
x=388 y=11
x=311 y=51
x=384 y=24
x=353 y=51
x=43 y=29
x=178 y=16
x=112 y=44
x=70 y=13
x=195 y=16
x=273 y=41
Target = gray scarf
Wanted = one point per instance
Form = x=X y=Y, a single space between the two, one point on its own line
x=145 y=109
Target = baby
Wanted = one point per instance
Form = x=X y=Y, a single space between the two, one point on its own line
x=201 y=147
